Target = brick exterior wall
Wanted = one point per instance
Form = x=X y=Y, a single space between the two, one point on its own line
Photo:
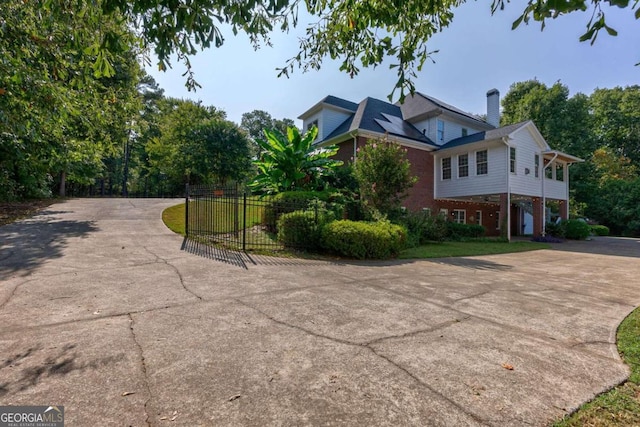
x=489 y=213
x=421 y=195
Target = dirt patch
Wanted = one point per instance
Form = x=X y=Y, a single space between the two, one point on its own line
x=13 y=211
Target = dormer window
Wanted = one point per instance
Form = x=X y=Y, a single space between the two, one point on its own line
x=312 y=124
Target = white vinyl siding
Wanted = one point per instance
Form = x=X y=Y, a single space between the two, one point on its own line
x=452 y=129
x=331 y=119
x=525 y=183
x=495 y=181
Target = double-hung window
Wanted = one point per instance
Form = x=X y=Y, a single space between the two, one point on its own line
x=446 y=168
x=512 y=159
x=482 y=162
x=460 y=216
x=536 y=166
x=463 y=165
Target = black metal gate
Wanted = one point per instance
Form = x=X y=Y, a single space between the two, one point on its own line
x=232 y=217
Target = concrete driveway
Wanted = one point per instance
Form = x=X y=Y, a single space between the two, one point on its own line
x=102 y=312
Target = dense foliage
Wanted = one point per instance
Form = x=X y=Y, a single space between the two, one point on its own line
x=292 y=162
x=384 y=175
x=61 y=120
x=364 y=240
x=602 y=128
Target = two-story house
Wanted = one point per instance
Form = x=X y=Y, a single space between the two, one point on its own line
x=469 y=169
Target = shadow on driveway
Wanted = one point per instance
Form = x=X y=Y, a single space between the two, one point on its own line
x=614 y=246
x=26 y=244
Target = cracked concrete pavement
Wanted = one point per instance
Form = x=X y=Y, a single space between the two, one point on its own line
x=102 y=312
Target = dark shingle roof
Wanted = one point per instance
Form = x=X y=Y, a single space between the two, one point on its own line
x=379 y=116
x=421 y=106
x=341 y=103
x=484 y=136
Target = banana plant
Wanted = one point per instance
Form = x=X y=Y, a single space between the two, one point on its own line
x=292 y=162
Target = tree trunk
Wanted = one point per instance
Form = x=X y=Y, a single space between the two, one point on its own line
x=63 y=183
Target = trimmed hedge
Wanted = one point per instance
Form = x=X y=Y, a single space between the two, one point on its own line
x=576 y=229
x=289 y=201
x=364 y=240
x=600 y=230
x=301 y=229
x=456 y=231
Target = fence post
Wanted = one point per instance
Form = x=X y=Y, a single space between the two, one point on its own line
x=244 y=221
x=186 y=210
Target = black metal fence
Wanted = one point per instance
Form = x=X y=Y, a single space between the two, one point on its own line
x=232 y=217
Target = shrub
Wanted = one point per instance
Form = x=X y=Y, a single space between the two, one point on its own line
x=286 y=202
x=423 y=227
x=299 y=229
x=576 y=229
x=384 y=175
x=600 y=230
x=456 y=231
x=556 y=229
x=364 y=240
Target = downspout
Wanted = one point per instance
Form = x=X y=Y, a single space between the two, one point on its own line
x=354 y=135
x=508 y=213
x=544 y=199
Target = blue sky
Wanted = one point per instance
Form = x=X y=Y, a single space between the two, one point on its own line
x=477 y=52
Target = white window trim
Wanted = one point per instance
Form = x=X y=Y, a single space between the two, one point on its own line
x=475 y=155
x=498 y=221
x=536 y=167
x=456 y=216
x=442 y=178
x=514 y=160
x=479 y=217
x=444 y=212
x=458 y=159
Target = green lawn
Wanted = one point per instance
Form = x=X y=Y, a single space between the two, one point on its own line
x=228 y=217
x=621 y=405
x=454 y=249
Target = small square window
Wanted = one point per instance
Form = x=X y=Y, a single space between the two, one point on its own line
x=465 y=132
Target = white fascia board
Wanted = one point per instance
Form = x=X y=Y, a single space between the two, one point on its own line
x=567 y=158
x=321 y=105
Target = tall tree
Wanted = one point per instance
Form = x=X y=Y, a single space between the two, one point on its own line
x=616 y=120
x=360 y=33
x=564 y=122
x=57 y=119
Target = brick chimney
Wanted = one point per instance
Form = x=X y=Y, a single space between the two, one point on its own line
x=493 y=107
